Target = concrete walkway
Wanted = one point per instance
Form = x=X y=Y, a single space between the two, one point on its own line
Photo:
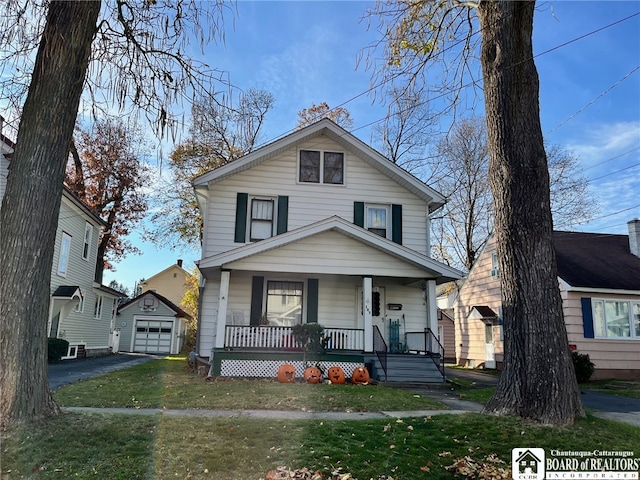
x=269 y=414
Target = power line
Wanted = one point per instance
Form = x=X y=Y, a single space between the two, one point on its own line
x=611 y=159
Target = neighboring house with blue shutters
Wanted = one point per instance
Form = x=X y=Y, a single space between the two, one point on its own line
x=316 y=227
x=599 y=279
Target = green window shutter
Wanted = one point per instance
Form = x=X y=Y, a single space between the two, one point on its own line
x=242 y=200
x=257 y=289
x=283 y=215
x=587 y=317
x=358 y=213
x=312 y=300
x=396 y=223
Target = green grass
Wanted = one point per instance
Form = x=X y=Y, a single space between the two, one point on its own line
x=168 y=383
x=160 y=447
x=629 y=389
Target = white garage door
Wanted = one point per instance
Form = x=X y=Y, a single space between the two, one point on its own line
x=153 y=336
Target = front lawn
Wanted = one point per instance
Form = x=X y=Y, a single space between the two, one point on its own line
x=168 y=383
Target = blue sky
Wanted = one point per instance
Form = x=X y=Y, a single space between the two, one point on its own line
x=306 y=52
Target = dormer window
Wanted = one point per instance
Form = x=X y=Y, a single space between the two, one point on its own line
x=318 y=166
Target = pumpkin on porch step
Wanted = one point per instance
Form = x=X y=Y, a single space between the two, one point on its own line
x=286 y=373
x=312 y=375
x=360 y=376
x=336 y=375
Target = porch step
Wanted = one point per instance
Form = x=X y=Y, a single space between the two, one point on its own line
x=405 y=368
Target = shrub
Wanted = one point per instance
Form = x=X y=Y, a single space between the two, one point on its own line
x=583 y=365
x=58 y=348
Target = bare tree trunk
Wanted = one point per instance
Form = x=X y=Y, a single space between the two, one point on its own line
x=538 y=380
x=31 y=205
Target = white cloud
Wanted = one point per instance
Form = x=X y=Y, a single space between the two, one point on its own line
x=605 y=141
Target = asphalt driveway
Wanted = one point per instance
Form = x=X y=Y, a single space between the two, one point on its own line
x=69 y=371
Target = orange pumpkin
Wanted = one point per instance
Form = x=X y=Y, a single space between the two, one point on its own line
x=286 y=373
x=312 y=375
x=336 y=375
x=360 y=376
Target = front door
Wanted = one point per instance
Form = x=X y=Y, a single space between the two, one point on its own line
x=489 y=349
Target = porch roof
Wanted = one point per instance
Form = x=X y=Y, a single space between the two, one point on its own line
x=331 y=246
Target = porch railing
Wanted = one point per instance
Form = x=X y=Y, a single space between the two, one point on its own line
x=426 y=342
x=380 y=348
x=281 y=338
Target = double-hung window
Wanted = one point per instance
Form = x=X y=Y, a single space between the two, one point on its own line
x=616 y=318
x=63 y=260
x=284 y=303
x=88 y=232
x=318 y=166
x=377 y=219
x=97 y=310
x=261 y=219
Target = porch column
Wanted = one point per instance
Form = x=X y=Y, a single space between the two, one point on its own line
x=222 y=309
x=367 y=313
x=432 y=309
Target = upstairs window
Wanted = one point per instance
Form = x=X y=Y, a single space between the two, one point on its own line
x=63 y=261
x=495 y=268
x=261 y=220
x=377 y=219
x=321 y=167
x=88 y=232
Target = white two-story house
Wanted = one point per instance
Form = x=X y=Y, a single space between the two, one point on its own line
x=81 y=310
x=317 y=227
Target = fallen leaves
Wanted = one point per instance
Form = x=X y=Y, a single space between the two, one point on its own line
x=283 y=473
x=487 y=469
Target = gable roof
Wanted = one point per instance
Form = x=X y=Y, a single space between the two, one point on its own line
x=336 y=224
x=336 y=133
x=170 y=267
x=172 y=306
x=596 y=260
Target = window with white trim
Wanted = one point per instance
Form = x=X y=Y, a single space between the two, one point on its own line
x=495 y=267
x=261 y=218
x=616 y=318
x=97 y=309
x=80 y=306
x=317 y=166
x=65 y=248
x=377 y=219
x=284 y=303
x=88 y=233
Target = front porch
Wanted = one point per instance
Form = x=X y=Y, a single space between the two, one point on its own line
x=258 y=351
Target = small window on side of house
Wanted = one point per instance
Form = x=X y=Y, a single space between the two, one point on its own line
x=80 y=306
x=97 y=309
x=88 y=233
x=63 y=260
x=495 y=268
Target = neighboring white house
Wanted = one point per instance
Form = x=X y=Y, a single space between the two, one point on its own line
x=599 y=280
x=315 y=227
x=81 y=310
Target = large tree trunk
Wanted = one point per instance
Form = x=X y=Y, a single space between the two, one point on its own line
x=538 y=379
x=31 y=205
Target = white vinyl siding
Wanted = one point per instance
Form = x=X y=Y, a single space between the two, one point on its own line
x=310 y=202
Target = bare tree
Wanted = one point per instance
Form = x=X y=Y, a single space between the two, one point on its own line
x=134 y=55
x=538 y=380
x=460 y=171
x=217 y=135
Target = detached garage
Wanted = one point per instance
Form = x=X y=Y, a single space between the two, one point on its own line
x=151 y=323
